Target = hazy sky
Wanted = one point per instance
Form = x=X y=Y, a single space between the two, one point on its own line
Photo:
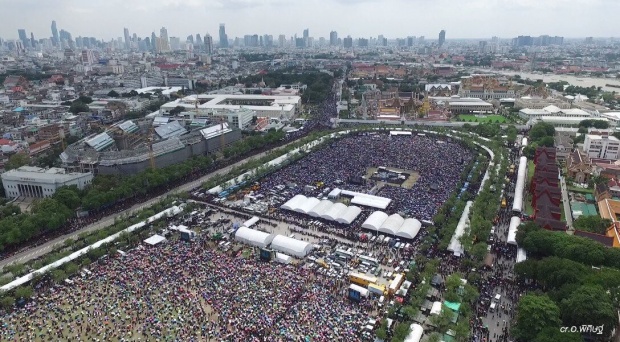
x=358 y=18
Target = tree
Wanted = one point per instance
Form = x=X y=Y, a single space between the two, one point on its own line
x=593 y=224
x=78 y=107
x=85 y=99
x=554 y=335
x=443 y=320
x=401 y=331
x=589 y=305
x=113 y=93
x=479 y=251
x=24 y=292
x=69 y=196
x=177 y=110
x=7 y=302
x=541 y=130
x=534 y=314
x=381 y=334
x=17 y=160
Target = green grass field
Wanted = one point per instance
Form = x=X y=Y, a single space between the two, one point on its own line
x=482 y=118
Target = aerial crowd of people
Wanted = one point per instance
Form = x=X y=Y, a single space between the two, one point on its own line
x=182 y=291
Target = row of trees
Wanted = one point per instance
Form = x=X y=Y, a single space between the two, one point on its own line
x=319 y=83
x=540 y=135
x=576 y=292
x=253 y=142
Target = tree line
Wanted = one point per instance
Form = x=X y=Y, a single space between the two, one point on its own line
x=578 y=281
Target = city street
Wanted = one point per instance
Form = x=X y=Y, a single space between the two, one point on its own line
x=566 y=200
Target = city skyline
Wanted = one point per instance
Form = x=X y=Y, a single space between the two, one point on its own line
x=275 y=17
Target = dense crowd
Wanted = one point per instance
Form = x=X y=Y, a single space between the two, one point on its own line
x=186 y=292
x=438 y=164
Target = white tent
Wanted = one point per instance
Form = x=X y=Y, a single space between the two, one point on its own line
x=321 y=208
x=375 y=220
x=155 y=239
x=291 y=246
x=436 y=308
x=335 y=212
x=283 y=258
x=455 y=245
x=515 y=221
x=294 y=203
x=392 y=224
x=253 y=237
x=349 y=215
x=409 y=229
x=517 y=204
x=250 y=222
x=415 y=335
x=307 y=205
x=521 y=255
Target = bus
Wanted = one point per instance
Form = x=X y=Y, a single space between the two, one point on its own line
x=344 y=254
x=362 y=279
x=504 y=203
x=369 y=260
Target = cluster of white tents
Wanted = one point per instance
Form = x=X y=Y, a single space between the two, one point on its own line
x=324 y=209
x=394 y=225
x=455 y=245
x=279 y=243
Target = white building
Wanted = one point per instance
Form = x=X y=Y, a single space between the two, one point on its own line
x=601 y=146
x=28 y=181
x=564 y=121
x=529 y=113
x=285 y=107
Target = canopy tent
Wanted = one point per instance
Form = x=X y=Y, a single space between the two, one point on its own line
x=375 y=220
x=321 y=208
x=409 y=229
x=521 y=255
x=455 y=245
x=334 y=212
x=294 y=203
x=283 y=258
x=155 y=239
x=517 y=204
x=415 y=335
x=253 y=237
x=291 y=246
x=349 y=215
x=307 y=205
x=392 y=224
x=436 y=309
x=250 y=222
x=515 y=221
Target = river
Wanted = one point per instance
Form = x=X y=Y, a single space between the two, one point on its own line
x=571 y=79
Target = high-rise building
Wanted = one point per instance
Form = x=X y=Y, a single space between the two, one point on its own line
x=33 y=42
x=55 y=39
x=348 y=42
x=23 y=37
x=198 y=40
x=165 y=43
x=442 y=37
x=411 y=41
x=333 y=38
x=223 y=36
x=88 y=57
x=306 y=36
x=281 y=40
x=127 y=39
x=208 y=44
x=362 y=42
x=153 y=42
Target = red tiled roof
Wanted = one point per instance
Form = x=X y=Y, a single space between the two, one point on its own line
x=604 y=239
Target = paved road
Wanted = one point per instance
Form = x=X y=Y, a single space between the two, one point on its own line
x=45 y=248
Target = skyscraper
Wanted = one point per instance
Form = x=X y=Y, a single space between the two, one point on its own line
x=54 y=33
x=23 y=37
x=306 y=36
x=127 y=39
x=281 y=40
x=165 y=43
x=442 y=37
x=209 y=44
x=333 y=38
x=153 y=42
x=223 y=36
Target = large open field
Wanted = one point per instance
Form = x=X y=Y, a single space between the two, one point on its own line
x=482 y=118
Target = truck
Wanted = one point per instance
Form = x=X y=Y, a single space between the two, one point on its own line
x=187 y=235
x=356 y=292
x=377 y=289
